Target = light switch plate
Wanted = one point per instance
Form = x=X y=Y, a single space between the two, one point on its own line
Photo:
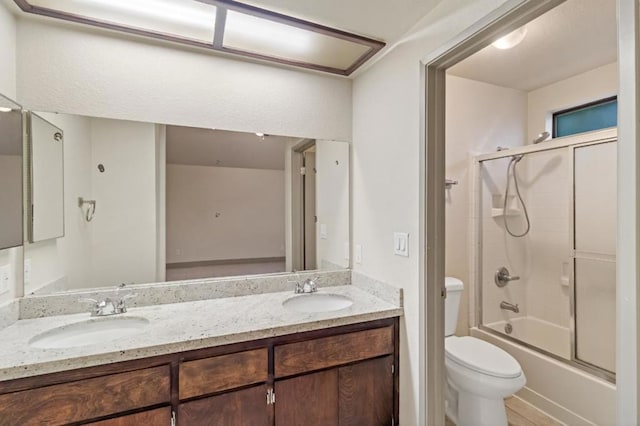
x=358 y=254
x=401 y=244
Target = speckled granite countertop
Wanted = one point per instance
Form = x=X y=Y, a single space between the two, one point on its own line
x=180 y=327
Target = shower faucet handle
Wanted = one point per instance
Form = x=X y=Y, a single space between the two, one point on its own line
x=502 y=277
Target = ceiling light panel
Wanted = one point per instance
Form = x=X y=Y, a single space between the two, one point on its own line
x=260 y=36
x=187 y=19
x=224 y=25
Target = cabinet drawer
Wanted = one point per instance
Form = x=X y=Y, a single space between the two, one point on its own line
x=246 y=407
x=210 y=375
x=157 y=417
x=86 y=399
x=301 y=357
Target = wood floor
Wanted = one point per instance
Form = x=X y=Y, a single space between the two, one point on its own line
x=520 y=413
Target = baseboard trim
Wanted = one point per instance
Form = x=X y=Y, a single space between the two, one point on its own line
x=551 y=409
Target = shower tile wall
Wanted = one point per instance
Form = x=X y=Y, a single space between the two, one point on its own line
x=499 y=249
x=547 y=187
x=541 y=258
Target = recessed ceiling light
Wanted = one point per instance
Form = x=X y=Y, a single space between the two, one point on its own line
x=511 y=39
x=5 y=109
x=260 y=135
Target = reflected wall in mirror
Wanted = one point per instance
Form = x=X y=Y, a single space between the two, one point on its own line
x=45 y=191
x=11 y=132
x=164 y=203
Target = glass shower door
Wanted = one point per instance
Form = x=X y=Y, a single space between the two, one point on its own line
x=594 y=281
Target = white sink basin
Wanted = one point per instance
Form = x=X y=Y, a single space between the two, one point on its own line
x=95 y=330
x=317 y=302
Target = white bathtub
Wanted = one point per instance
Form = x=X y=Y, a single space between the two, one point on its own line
x=567 y=393
x=538 y=333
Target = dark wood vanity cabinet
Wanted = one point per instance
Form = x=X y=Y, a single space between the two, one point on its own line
x=344 y=376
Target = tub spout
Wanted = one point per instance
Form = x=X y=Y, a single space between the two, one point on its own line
x=509 y=307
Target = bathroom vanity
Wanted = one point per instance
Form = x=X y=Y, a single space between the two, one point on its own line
x=342 y=375
x=245 y=360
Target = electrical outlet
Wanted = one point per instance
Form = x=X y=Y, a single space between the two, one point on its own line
x=4 y=279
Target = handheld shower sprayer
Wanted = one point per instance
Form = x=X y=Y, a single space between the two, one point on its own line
x=511 y=170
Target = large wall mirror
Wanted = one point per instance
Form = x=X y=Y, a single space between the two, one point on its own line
x=11 y=131
x=147 y=202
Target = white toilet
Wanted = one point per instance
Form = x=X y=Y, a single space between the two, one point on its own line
x=479 y=374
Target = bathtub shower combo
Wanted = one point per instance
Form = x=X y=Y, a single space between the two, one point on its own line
x=545 y=241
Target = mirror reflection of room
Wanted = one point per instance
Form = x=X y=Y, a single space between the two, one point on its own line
x=147 y=203
x=10 y=173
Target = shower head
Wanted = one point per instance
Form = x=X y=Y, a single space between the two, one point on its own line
x=541 y=137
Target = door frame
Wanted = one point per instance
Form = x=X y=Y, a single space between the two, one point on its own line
x=503 y=20
x=297 y=204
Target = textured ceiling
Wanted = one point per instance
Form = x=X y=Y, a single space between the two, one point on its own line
x=575 y=37
x=206 y=147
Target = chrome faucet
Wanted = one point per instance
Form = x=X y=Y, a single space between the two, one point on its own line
x=509 y=307
x=100 y=308
x=502 y=277
x=309 y=286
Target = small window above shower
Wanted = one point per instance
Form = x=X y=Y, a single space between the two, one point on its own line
x=596 y=115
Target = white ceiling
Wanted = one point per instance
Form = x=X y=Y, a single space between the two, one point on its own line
x=379 y=19
x=207 y=147
x=575 y=37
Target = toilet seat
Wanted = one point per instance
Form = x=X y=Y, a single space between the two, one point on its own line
x=482 y=357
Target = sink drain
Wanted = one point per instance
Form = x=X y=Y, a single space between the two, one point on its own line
x=508 y=328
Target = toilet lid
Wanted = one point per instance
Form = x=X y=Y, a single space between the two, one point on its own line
x=482 y=356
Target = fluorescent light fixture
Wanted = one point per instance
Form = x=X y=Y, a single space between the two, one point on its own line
x=190 y=19
x=255 y=34
x=5 y=109
x=222 y=25
x=511 y=39
x=252 y=28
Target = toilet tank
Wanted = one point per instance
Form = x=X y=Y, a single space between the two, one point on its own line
x=454 y=289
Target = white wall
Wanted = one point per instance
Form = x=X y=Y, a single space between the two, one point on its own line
x=77 y=70
x=7 y=53
x=12 y=257
x=332 y=202
x=124 y=227
x=587 y=87
x=250 y=203
x=386 y=142
x=480 y=117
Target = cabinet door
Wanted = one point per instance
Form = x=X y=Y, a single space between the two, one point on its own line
x=158 y=417
x=366 y=393
x=309 y=400
x=243 y=407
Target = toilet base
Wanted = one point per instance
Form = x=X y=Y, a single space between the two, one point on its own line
x=474 y=410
